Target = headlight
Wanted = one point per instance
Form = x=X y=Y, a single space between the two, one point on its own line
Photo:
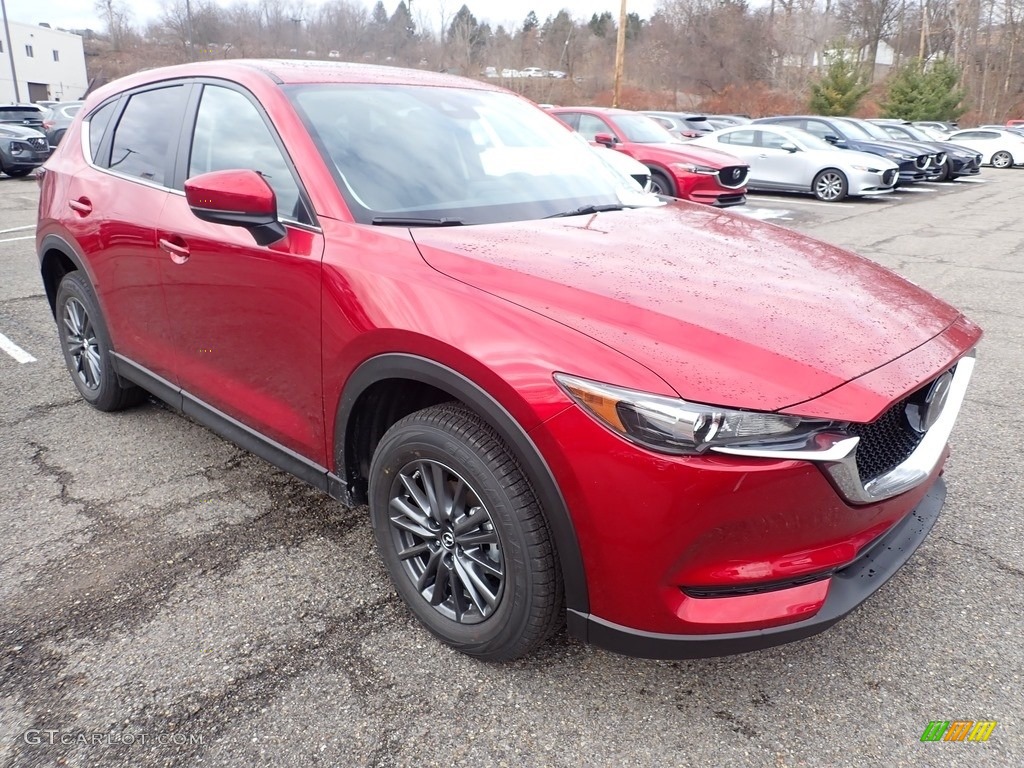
x=703 y=170
x=865 y=168
x=18 y=147
x=671 y=425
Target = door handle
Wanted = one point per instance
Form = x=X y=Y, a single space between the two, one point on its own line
x=762 y=155
x=179 y=251
x=82 y=205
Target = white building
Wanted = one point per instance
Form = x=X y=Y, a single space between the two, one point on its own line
x=50 y=64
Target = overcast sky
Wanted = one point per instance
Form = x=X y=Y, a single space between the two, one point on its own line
x=79 y=14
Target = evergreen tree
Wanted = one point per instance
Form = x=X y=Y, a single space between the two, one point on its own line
x=842 y=87
x=917 y=92
x=530 y=23
x=379 y=17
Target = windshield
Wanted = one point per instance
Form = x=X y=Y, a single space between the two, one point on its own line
x=640 y=129
x=453 y=155
x=806 y=140
x=854 y=131
x=20 y=114
x=875 y=131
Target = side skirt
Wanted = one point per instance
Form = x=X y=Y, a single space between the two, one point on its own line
x=231 y=429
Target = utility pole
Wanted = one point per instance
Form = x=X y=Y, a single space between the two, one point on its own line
x=10 y=51
x=188 y=21
x=620 y=55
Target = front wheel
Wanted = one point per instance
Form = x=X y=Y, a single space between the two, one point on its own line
x=662 y=184
x=1002 y=159
x=17 y=173
x=830 y=185
x=462 y=535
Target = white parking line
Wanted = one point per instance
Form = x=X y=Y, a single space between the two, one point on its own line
x=17 y=229
x=764 y=214
x=787 y=201
x=15 y=351
x=16 y=239
x=917 y=188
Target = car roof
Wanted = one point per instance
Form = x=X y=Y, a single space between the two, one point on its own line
x=602 y=110
x=293 y=72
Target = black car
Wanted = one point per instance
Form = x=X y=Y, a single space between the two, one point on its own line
x=960 y=160
x=916 y=163
x=29 y=115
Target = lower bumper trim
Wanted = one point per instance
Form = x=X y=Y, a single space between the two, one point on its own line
x=849 y=588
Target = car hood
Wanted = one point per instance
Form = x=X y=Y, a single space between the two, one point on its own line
x=725 y=309
x=11 y=131
x=687 y=151
x=881 y=147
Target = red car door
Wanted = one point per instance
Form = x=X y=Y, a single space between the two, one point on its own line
x=116 y=204
x=245 y=318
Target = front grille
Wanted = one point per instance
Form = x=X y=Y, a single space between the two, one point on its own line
x=885 y=443
x=38 y=143
x=940 y=158
x=889 y=177
x=733 y=176
x=922 y=161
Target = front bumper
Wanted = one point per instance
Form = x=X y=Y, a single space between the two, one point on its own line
x=846 y=589
x=862 y=183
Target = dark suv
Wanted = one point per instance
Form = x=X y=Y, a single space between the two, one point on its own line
x=679 y=430
x=23 y=144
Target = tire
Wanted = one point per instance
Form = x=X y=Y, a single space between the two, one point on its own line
x=662 y=184
x=17 y=173
x=492 y=555
x=1002 y=159
x=86 y=346
x=947 y=172
x=830 y=185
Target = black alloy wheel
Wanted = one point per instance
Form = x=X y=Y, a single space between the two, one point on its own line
x=86 y=347
x=462 y=535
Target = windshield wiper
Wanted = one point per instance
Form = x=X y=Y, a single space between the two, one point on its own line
x=585 y=209
x=412 y=221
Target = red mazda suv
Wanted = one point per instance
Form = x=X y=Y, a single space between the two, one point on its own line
x=681 y=431
x=678 y=169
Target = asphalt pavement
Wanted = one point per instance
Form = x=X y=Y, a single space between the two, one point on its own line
x=167 y=599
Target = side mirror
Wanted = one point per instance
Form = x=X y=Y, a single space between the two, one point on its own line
x=789 y=147
x=606 y=139
x=835 y=141
x=237 y=199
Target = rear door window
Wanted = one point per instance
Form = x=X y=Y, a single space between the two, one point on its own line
x=145 y=136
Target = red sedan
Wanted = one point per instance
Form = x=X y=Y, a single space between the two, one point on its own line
x=561 y=399
x=678 y=169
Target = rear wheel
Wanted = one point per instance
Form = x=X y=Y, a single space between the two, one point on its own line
x=86 y=346
x=462 y=535
x=830 y=185
x=1002 y=159
x=662 y=184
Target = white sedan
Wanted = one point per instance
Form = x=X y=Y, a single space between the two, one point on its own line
x=1000 y=149
x=788 y=159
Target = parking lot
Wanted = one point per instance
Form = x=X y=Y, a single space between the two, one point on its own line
x=169 y=599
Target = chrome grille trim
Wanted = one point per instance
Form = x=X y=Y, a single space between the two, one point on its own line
x=837 y=453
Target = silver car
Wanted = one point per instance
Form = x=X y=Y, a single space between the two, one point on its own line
x=788 y=159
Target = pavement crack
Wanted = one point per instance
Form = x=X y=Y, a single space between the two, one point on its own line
x=996 y=561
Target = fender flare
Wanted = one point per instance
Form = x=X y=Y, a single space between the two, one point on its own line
x=407 y=366
x=53 y=242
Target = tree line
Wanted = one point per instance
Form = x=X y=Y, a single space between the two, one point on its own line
x=721 y=55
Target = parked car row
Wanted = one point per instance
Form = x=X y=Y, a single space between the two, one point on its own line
x=30 y=132
x=23 y=144
x=716 y=159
